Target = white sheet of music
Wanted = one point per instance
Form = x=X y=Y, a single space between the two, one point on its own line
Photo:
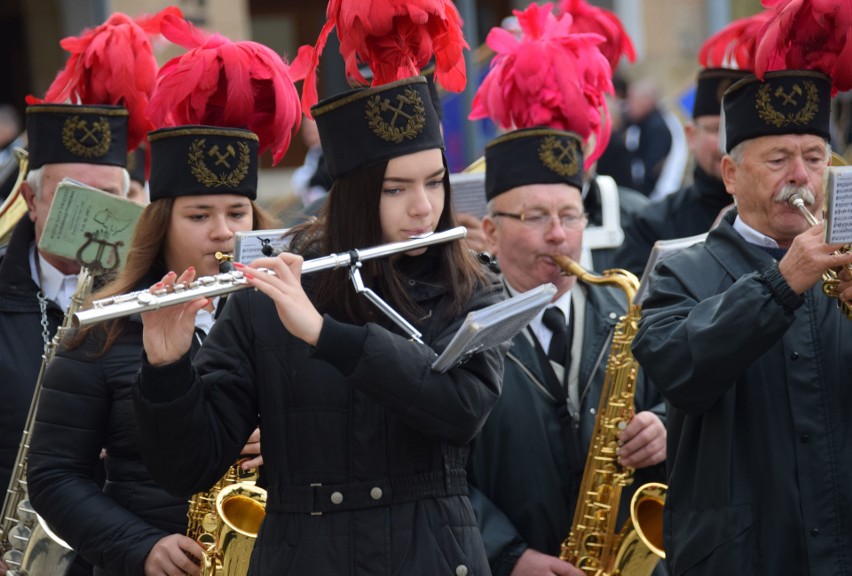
x=838 y=197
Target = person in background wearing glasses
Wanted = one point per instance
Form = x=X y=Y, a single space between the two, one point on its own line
x=555 y=369
x=694 y=208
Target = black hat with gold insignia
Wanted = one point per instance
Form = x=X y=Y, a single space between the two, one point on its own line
x=533 y=156
x=711 y=86
x=784 y=102
x=368 y=126
x=199 y=160
x=70 y=133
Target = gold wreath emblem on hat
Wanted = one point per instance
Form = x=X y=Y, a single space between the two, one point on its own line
x=806 y=100
x=87 y=141
x=229 y=167
x=560 y=156
x=408 y=108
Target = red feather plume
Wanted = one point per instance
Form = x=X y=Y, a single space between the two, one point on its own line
x=229 y=84
x=808 y=34
x=734 y=45
x=589 y=18
x=548 y=77
x=112 y=64
x=395 y=38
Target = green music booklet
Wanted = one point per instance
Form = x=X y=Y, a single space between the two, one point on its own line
x=90 y=226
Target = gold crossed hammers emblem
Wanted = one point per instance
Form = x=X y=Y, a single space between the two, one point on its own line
x=398 y=111
x=788 y=98
x=88 y=134
x=222 y=158
x=563 y=151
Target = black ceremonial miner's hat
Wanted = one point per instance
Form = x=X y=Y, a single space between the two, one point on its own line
x=199 y=160
x=711 y=86
x=784 y=102
x=533 y=156
x=368 y=126
x=71 y=133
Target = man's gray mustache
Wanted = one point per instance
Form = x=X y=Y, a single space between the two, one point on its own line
x=802 y=191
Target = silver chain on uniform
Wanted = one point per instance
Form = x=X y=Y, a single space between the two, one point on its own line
x=45 y=325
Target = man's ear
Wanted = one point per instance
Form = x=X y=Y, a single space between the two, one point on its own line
x=489 y=228
x=729 y=174
x=29 y=197
x=691 y=132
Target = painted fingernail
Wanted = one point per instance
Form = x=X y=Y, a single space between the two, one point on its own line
x=238 y=264
x=249 y=276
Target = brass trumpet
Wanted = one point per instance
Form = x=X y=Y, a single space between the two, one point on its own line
x=830 y=279
x=14 y=207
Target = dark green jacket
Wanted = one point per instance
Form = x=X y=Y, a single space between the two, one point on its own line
x=527 y=463
x=759 y=434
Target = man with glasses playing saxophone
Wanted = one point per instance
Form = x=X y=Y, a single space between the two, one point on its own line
x=753 y=359
x=526 y=464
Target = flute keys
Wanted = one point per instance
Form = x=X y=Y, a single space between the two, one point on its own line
x=146 y=298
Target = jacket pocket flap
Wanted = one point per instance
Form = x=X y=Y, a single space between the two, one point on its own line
x=700 y=532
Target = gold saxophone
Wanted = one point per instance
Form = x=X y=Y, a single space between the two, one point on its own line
x=595 y=545
x=225 y=520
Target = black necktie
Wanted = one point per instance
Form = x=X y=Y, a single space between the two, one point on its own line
x=554 y=320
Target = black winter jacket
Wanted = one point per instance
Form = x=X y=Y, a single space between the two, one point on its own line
x=359 y=429
x=21 y=342
x=630 y=203
x=759 y=435
x=86 y=404
x=689 y=211
x=527 y=463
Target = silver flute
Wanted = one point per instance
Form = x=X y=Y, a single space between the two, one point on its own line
x=225 y=283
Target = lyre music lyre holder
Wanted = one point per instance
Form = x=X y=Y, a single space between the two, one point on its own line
x=358 y=282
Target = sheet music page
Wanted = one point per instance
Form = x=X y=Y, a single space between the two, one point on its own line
x=493 y=325
x=248 y=246
x=469 y=193
x=89 y=225
x=662 y=249
x=838 y=196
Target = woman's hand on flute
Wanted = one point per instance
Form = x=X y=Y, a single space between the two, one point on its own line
x=295 y=309
x=168 y=332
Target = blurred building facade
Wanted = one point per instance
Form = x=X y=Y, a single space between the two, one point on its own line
x=667 y=34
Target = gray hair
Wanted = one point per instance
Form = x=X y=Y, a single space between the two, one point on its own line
x=34 y=178
x=489 y=208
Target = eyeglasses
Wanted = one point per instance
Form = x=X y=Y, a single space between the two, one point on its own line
x=708 y=128
x=541 y=220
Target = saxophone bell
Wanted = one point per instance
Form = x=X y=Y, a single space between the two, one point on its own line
x=225 y=521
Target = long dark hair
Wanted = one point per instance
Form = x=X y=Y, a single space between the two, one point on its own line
x=350 y=219
x=145 y=260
